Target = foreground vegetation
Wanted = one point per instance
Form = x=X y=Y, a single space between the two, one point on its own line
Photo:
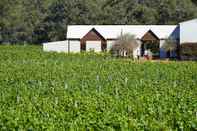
x=51 y=91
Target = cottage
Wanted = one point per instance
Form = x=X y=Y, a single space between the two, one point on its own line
x=101 y=37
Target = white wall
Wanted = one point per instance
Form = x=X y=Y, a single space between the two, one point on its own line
x=188 y=31
x=110 y=44
x=59 y=46
x=75 y=46
x=93 y=45
x=63 y=46
x=137 y=51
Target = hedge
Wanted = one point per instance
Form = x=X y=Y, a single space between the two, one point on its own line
x=188 y=49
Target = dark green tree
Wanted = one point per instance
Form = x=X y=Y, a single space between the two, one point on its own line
x=38 y=21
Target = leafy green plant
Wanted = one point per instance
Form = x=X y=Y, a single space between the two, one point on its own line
x=51 y=91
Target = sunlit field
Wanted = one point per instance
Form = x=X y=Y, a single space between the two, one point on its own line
x=51 y=91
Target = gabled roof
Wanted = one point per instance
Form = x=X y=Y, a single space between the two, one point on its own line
x=113 y=31
x=95 y=31
x=150 y=36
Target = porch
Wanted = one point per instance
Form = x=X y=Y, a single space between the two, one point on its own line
x=150 y=46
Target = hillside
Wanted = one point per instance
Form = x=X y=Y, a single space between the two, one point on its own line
x=36 y=21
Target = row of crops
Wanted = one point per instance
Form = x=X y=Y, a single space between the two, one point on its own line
x=50 y=91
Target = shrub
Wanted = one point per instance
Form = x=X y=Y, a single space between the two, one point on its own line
x=189 y=49
x=169 y=46
x=124 y=46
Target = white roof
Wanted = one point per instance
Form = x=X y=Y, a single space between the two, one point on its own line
x=113 y=31
x=193 y=20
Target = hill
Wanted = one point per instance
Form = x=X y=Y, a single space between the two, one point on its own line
x=38 y=21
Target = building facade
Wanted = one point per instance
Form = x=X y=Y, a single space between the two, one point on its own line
x=101 y=37
x=188 y=31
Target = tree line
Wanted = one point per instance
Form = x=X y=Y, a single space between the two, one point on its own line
x=36 y=21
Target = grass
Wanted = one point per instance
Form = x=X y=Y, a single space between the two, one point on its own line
x=51 y=91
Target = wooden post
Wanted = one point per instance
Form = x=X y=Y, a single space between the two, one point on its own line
x=68 y=46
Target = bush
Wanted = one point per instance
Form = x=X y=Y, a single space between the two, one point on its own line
x=124 y=46
x=169 y=46
x=189 y=49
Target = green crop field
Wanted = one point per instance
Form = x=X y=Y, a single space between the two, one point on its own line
x=50 y=91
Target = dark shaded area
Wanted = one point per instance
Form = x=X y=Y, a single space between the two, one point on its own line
x=188 y=49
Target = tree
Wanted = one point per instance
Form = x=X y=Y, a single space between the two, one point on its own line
x=124 y=46
x=169 y=46
x=37 y=21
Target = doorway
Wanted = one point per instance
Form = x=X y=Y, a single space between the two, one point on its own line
x=150 y=45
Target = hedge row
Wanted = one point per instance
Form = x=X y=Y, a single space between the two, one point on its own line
x=188 y=49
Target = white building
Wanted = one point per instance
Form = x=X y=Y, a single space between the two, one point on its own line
x=62 y=46
x=188 y=31
x=101 y=37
